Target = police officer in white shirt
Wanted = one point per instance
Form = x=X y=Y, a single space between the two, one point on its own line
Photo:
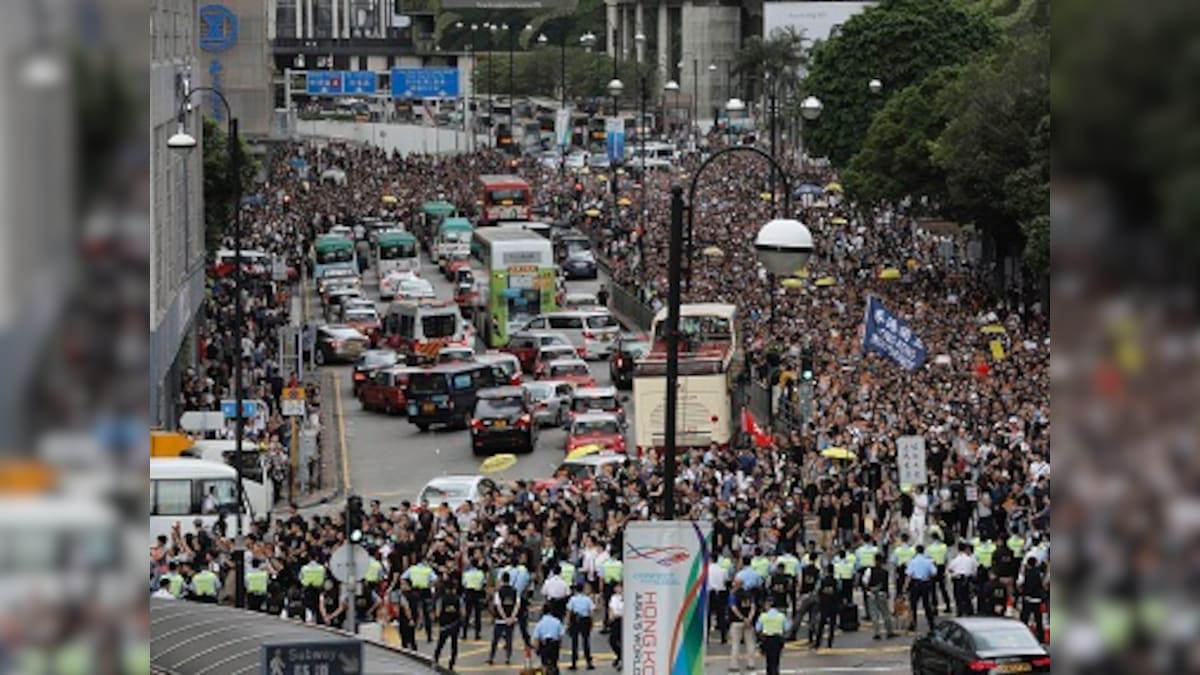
x=555 y=590
x=718 y=598
x=616 y=610
x=962 y=570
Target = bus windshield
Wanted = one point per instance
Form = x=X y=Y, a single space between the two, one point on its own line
x=439 y=325
x=335 y=255
x=395 y=251
x=513 y=195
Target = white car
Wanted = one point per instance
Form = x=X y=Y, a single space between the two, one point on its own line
x=455 y=355
x=550 y=400
x=576 y=300
x=392 y=280
x=414 y=289
x=454 y=491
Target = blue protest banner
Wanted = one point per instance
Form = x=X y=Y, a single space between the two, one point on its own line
x=885 y=334
x=614 y=135
x=425 y=82
x=359 y=82
x=324 y=82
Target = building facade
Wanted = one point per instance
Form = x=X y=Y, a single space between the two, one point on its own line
x=176 y=205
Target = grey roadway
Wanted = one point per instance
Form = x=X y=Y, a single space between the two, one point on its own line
x=387 y=458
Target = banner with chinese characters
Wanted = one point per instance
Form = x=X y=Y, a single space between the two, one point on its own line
x=885 y=334
x=910 y=458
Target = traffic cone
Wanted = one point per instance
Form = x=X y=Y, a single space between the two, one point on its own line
x=1008 y=607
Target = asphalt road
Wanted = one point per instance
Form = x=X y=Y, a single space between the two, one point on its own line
x=387 y=458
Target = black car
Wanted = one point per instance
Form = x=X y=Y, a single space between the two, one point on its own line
x=503 y=421
x=446 y=394
x=978 y=644
x=370 y=361
x=629 y=348
x=581 y=265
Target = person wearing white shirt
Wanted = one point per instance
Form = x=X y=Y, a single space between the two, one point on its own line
x=616 y=610
x=962 y=570
x=164 y=590
x=718 y=598
x=555 y=590
x=916 y=524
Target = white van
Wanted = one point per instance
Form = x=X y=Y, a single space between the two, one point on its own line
x=224 y=451
x=180 y=491
x=593 y=332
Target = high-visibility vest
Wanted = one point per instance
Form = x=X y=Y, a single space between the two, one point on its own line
x=904 y=554
x=843 y=568
x=374 y=572
x=472 y=580
x=419 y=575
x=568 y=573
x=612 y=570
x=773 y=623
x=204 y=583
x=1016 y=544
x=761 y=565
x=937 y=552
x=791 y=564
x=866 y=555
x=312 y=575
x=726 y=564
x=176 y=585
x=984 y=550
x=256 y=582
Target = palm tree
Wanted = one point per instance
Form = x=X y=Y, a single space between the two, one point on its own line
x=776 y=58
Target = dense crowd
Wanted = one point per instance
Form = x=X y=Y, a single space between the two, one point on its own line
x=985 y=419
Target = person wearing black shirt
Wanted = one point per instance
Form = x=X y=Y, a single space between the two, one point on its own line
x=993 y=595
x=828 y=603
x=506 y=605
x=1033 y=593
x=781 y=587
x=743 y=611
x=826 y=515
x=875 y=580
x=806 y=609
x=450 y=613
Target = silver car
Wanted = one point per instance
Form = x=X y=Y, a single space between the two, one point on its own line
x=551 y=399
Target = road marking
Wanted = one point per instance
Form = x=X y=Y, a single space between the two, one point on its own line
x=841 y=669
x=842 y=651
x=341 y=422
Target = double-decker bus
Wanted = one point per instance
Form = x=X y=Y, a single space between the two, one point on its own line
x=520 y=270
x=396 y=250
x=709 y=346
x=333 y=251
x=504 y=197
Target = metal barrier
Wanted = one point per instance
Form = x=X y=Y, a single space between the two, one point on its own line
x=624 y=301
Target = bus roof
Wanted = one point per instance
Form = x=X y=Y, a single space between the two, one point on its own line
x=503 y=180
x=457 y=225
x=700 y=309
x=183 y=467
x=395 y=238
x=438 y=208
x=494 y=235
x=330 y=242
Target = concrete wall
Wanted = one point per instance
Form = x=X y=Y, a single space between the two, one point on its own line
x=710 y=35
x=406 y=138
x=243 y=71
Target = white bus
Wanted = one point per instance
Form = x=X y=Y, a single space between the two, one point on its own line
x=396 y=250
x=183 y=490
x=708 y=356
x=521 y=275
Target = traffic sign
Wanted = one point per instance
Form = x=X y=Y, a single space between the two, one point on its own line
x=327 y=657
x=229 y=408
x=339 y=562
x=425 y=82
x=291 y=402
x=358 y=82
x=324 y=82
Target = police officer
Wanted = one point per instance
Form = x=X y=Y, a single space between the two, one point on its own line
x=937 y=553
x=472 y=581
x=843 y=571
x=718 y=598
x=547 y=638
x=875 y=586
x=450 y=613
x=521 y=582
x=772 y=625
x=257 y=585
x=864 y=559
x=375 y=573
x=422 y=577
x=962 y=570
x=404 y=600
x=920 y=571
x=177 y=582
x=567 y=570
x=616 y=610
x=760 y=563
x=828 y=602
x=579 y=612
x=782 y=587
x=205 y=586
x=985 y=551
x=611 y=572
x=506 y=605
x=312 y=580
x=903 y=553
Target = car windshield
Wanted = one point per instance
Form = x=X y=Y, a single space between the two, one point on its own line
x=594 y=403
x=428 y=383
x=416 y=286
x=635 y=349
x=601 y=321
x=361 y=315
x=433 y=493
x=1008 y=638
x=570 y=369
x=556 y=353
x=381 y=358
x=439 y=325
x=503 y=406
x=538 y=392
x=596 y=427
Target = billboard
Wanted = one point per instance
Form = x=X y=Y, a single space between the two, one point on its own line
x=814 y=20
x=425 y=82
x=510 y=4
x=666 y=596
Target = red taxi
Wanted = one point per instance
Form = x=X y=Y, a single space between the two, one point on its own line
x=600 y=429
x=385 y=390
x=574 y=371
x=548 y=354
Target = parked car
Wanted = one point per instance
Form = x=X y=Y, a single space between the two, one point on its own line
x=336 y=343
x=602 y=429
x=503 y=420
x=371 y=361
x=550 y=400
x=977 y=644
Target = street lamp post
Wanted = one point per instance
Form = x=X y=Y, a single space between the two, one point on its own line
x=731 y=106
x=671 y=88
x=615 y=87
x=492 y=28
x=184 y=141
x=783 y=246
x=810 y=109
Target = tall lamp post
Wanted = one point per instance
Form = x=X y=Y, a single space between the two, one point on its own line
x=810 y=110
x=184 y=142
x=671 y=88
x=731 y=106
x=783 y=246
x=615 y=87
x=492 y=28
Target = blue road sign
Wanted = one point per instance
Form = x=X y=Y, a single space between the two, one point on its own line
x=229 y=408
x=324 y=82
x=425 y=82
x=329 y=657
x=359 y=82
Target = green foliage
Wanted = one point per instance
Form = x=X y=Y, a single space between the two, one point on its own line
x=557 y=24
x=995 y=149
x=220 y=187
x=775 y=59
x=537 y=73
x=899 y=42
x=895 y=161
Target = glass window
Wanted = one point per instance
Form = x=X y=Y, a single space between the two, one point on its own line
x=524 y=304
x=566 y=322
x=223 y=492
x=539 y=324
x=601 y=321
x=439 y=325
x=514 y=195
x=172 y=498
x=1014 y=638
x=428 y=383
x=462 y=381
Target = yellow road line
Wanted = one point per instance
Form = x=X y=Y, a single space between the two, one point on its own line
x=341 y=422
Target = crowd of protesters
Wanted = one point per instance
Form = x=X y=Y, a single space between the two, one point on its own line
x=984 y=417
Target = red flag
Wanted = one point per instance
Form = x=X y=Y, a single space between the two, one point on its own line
x=761 y=438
